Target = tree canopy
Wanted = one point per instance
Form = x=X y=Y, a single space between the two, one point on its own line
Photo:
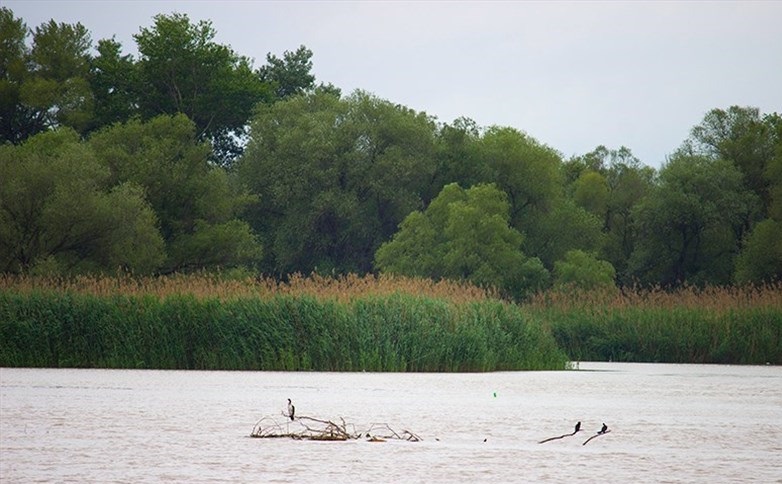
x=195 y=202
x=60 y=212
x=335 y=176
x=190 y=158
x=464 y=234
x=60 y=81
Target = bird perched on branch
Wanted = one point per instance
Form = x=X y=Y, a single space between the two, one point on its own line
x=578 y=427
x=291 y=409
x=604 y=429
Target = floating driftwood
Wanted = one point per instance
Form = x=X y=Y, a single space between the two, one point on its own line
x=311 y=428
x=559 y=437
x=596 y=435
x=575 y=431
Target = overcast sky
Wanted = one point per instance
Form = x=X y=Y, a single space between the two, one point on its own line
x=574 y=75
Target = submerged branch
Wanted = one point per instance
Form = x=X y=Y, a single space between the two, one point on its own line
x=559 y=437
x=594 y=436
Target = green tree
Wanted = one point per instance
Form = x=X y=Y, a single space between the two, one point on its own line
x=457 y=157
x=60 y=213
x=773 y=172
x=44 y=86
x=290 y=75
x=530 y=174
x=610 y=183
x=761 y=258
x=114 y=80
x=689 y=225
x=196 y=203
x=527 y=171
x=464 y=234
x=561 y=228
x=58 y=88
x=584 y=271
x=17 y=121
x=182 y=70
x=591 y=192
x=335 y=176
x=743 y=136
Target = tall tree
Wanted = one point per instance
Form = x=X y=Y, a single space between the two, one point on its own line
x=742 y=136
x=196 y=204
x=114 y=79
x=609 y=183
x=464 y=234
x=335 y=176
x=44 y=86
x=761 y=257
x=457 y=156
x=17 y=121
x=59 y=88
x=60 y=213
x=690 y=223
x=183 y=70
x=290 y=75
x=527 y=171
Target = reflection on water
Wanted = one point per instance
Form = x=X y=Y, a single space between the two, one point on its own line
x=668 y=423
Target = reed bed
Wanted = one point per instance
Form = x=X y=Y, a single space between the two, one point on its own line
x=346 y=327
x=738 y=325
x=384 y=323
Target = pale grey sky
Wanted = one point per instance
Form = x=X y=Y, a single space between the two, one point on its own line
x=573 y=75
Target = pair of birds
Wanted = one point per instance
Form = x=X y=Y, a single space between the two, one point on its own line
x=578 y=427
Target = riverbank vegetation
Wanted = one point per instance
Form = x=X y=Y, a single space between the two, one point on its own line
x=347 y=324
x=218 y=182
x=736 y=325
x=370 y=323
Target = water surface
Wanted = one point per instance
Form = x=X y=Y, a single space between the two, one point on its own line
x=669 y=423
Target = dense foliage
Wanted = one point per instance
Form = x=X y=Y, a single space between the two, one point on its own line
x=112 y=162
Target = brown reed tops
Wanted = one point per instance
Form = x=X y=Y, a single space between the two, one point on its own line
x=713 y=298
x=205 y=285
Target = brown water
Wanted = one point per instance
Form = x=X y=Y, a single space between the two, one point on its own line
x=669 y=423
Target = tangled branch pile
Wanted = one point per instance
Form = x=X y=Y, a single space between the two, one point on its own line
x=310 y=428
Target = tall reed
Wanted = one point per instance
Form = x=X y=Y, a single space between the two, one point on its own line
x=741 y=325
x=396 y=332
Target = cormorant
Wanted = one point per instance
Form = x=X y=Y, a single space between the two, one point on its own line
x=578 y=427
x=291 y=409
x=604 y=429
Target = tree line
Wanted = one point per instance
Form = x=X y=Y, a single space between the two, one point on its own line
x=187 y=158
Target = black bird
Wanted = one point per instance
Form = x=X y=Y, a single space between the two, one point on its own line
x=578 y=427
x=604 y=429
x=291 y=409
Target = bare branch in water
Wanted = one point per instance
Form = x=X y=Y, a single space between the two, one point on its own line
x=594 y=436
x=559 y=437
x=311 y=428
